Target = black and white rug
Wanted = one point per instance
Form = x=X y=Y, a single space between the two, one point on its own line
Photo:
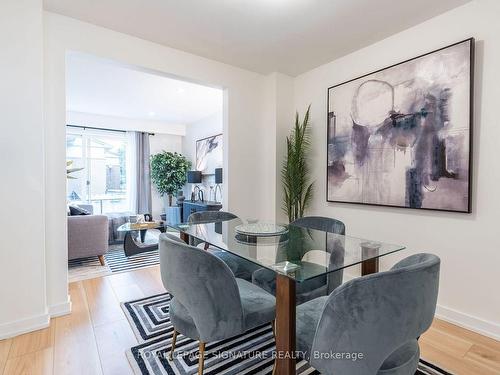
x=250 y=353
x=86 y=268
x=116 y=261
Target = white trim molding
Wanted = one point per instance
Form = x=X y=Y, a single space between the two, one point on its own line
x=21 y=326
x=483 y=327
x=472 y=323
x=34 y=323
x=60 y=309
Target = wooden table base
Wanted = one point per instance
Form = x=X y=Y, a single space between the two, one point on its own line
x=132 y=247
x=184 y=237
x=285 y=325
x=369 y=266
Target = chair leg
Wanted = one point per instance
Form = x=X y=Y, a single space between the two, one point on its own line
x=201 y=359
x=174 y=339
x=101 y=260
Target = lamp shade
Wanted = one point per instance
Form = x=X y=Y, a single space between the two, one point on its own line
x=218 y=175
x=194 y=177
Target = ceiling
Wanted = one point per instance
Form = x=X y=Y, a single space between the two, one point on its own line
x=105 y=88
x=287 y=36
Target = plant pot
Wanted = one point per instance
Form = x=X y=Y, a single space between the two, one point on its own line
x=180 y=197
x=165 y=203
x=167 y=200
x=173 y=215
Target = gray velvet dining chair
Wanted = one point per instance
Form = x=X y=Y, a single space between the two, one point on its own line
x=318 y=286
x=378 y=317
x=208 y=302
x=241 y=268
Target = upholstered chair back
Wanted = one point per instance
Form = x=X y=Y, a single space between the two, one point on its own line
x=210 y=216
x=325 y=224
x=376 y=315
x=201 y=217
x=163 y=259
x=336 y=248
x=205 y=286
x=334 y=245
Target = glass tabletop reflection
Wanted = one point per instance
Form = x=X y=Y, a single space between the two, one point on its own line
x=297 y=252
x=130 y=227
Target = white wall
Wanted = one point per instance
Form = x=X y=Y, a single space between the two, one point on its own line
x=467 y=244
x=278 y=116
x=22 y=249
x=241 y=121
x=206 y=127
x=285 y=112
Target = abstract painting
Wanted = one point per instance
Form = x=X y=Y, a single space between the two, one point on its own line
x=209 y=154
x=402 y=136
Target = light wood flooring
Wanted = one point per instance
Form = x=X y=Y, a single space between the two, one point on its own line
x=93 y=338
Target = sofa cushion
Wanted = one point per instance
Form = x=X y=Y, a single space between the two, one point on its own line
x=116 y=219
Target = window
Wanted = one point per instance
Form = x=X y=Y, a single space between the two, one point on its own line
x=103 y=180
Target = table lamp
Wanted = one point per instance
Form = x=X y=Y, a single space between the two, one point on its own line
x=194 y=177
x=218 y=182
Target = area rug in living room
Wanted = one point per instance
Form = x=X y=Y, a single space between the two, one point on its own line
x=115 y=261
x=249 y=353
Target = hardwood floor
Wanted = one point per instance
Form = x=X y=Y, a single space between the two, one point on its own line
x=93 y=338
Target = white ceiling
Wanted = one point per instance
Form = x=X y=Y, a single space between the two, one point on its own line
x=105 y=88
x=287 y=36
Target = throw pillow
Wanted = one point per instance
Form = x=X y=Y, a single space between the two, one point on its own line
x=75 y=211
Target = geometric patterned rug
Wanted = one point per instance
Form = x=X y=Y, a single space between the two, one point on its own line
x=249 y=353
x=86 y=268
x=116 y=261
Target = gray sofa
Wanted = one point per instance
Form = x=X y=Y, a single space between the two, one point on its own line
x=115 y=220
x=87 y=236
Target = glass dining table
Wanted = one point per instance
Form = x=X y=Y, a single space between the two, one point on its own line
x=296 y=255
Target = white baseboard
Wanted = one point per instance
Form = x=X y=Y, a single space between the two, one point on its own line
x=60 y=309
x=21 y=326
x=34 y=323
x=472 y=323
x=483 y=327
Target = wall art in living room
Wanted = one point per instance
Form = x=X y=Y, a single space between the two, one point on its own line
x=209 y=154
x=402 y=136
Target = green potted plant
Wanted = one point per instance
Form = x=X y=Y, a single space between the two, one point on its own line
x=168 y=173
x=295 y=173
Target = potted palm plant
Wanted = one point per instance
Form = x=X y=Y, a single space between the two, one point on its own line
x=295 y=173
x=168 y=173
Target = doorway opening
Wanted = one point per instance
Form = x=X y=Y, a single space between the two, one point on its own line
x=121 y=122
